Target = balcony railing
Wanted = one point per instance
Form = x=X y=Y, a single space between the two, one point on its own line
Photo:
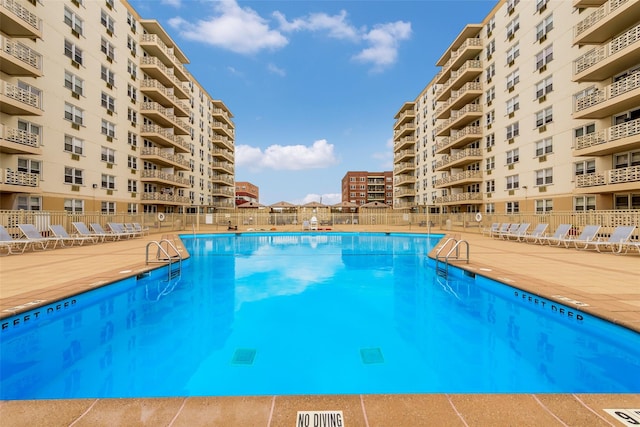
x=173 y=158
x=21 y=95
x=611 y=134
x=467 y=152
x=598 y=15
x=24 y=179
x=21 y=52
x=459 y=197
x=167 y=92
x=22 y=13
x=613 y=176
x=166 y=133
x=404 y=179
x=164 y=197
x=21 y=137
x=475 y=63
x=611 y=91
x=473 y=42
x=600 y=53
x=164 y=176
x=459 y=177
x=402 y=166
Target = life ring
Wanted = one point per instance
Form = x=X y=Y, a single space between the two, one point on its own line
x=160 y=216
x=478 y=217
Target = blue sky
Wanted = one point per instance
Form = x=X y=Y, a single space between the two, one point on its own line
x=313 y=85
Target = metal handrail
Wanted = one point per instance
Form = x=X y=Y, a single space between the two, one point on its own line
x=456 y=249
x=166 y=257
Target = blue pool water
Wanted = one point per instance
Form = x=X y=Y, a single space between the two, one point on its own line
x=281 y=314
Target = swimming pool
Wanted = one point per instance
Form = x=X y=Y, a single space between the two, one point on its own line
x=317 y=313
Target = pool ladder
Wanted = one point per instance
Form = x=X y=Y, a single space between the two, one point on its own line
x=452 y=254
x=166 y=253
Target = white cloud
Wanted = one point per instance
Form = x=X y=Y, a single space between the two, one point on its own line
x=276 y=70
x=287 y=157
x=174 y=3
x=384 y=40
x=326 y=199
x=237 y=29
x=336 y=26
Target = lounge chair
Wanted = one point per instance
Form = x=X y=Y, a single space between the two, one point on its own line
x=67 y=239
x=620 y=235
x=560 y=234
x=491 y=230
x=84 y=231
x=145 y=230
x=12 y=246
x=589 y=233
x=537 y=232
x=625 y=247
x=97 y=228
x=119 y=228
x=39 y=241
x=521 y=231
x=509 y=229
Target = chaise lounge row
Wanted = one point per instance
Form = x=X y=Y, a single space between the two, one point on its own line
x=618 y=242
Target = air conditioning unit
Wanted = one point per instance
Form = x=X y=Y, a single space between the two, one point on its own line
x=489 y=103
x=75 y=64
x=511 y=141
x=109 y=165
x=510 y=10
x=109 y=59
x=512 y=192
x=542 y=98
x=489 y=195
x=76 y=126
x=110 y=112
x=75 y=157
x=489 y=126
x=542 y=159
x=511 y=115
x=109 y=192
x=75 y=188
x=75 y=33
x=489 y=172
x=511 y=167
x=75 y=95
x=542 y=8
x=133 y=148
x=133 y=195
x=489 y=149
x=510 y=36
x=133 y=171
x=542 y=189
x=511 y=62
x=542 y=128
x=543 y=38
x=512 y=88
x=109 y=32
x=109 y=138
x=542 y=69
x=109 y=85
x=76 y=3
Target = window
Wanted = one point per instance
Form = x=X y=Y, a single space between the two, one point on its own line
x=107 y=22
x=73 y=176
x=108 y=49
x=73 y=21
x=132 y=162
x=512 y=27
x=585 y=167
x=108 y=102
x=132 y=92
x=543 y=28
x=491 y=25
x=108 y=207
x=73 y=82
x=131 y=22
x=491 y=48
x=490 y=117
x=29 y=166
x=513 y=105
x=490 y=208
x=108 y=76
x=131 y=45
x=584 y=130
x=108 y=182
x=491 y=71
x=73 y=145
x=626 y=160
x=108 y=128
x=74 y=205
x=541 y=5
x=513 y=53
x=29 y=203
x=543 y=117
x=513 y=156
x=544 y=57
x=513 y=182
x=512 y=79
x=132 y=186
x=32 y=130
x=132 y=139
x=544 y=176
x=511 y=5
x=490 y=94
x=544 y=147
x=108 y=155
x=544 y=87
x=110 y=4
x=73 y=52
x=584 y=203
x=545 y=205
x=490 y=140
x=490 y=186
x=513 y=130
x=73 y=114
x=491 y=163
x=132 y=69
x=512 y=207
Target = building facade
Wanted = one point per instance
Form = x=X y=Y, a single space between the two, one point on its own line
x=98 y=113
x=247 y=192
x=362 y=187
x=535 y=109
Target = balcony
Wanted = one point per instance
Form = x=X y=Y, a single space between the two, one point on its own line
x=220 y=114
x=468 y=72
x=18 y=101
x=606 y=21
x=404 y=117
x=404 y=155
x=588 y=3
x=460 y=199
x=222 y=128
x=402 y=168
x=17 y=21
x=404 y=143
x=465 y=95
x=469 y=49
x=223 y=154
x=153 y=44
x=618 y=138
x=460 y=118
x=403 y=180
x=164 y=199
x=164 y=96
x=164 y=158
x=222 y=141
x=611 y=181
x=404 y=130
x=607 y=60
x=466 y=177
x=459 y=139
x=164 y=137
x=404 y=192
x=164 y=178
x=164 y=117
x=222 y=166
x=223 y=191
x=19 y=182
x=16 y=141
x=17 y=59
x=154 y=68
x=223 y=179
x=459 y=159
x=614 y=98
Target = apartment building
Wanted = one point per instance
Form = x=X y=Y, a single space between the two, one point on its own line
x=98 y=113
x=247 y=192
x=362 y=187
x=535 y=109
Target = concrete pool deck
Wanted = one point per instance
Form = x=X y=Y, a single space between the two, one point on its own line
x=608 y=284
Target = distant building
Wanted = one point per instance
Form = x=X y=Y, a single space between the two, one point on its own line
x=246 y=192
x=362 y=187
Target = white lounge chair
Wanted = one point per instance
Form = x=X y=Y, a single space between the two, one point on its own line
x=521 y=231
x=11 y=245
x=589 y=233
x=67 y=239
x=491 y=230
x=145 y=230
x=38 y=240
x=84 y=231
x=620 y=236
x=537 y=232
x=560 y=234
x=506 y=229
x=97 y=228
x=119 y=229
